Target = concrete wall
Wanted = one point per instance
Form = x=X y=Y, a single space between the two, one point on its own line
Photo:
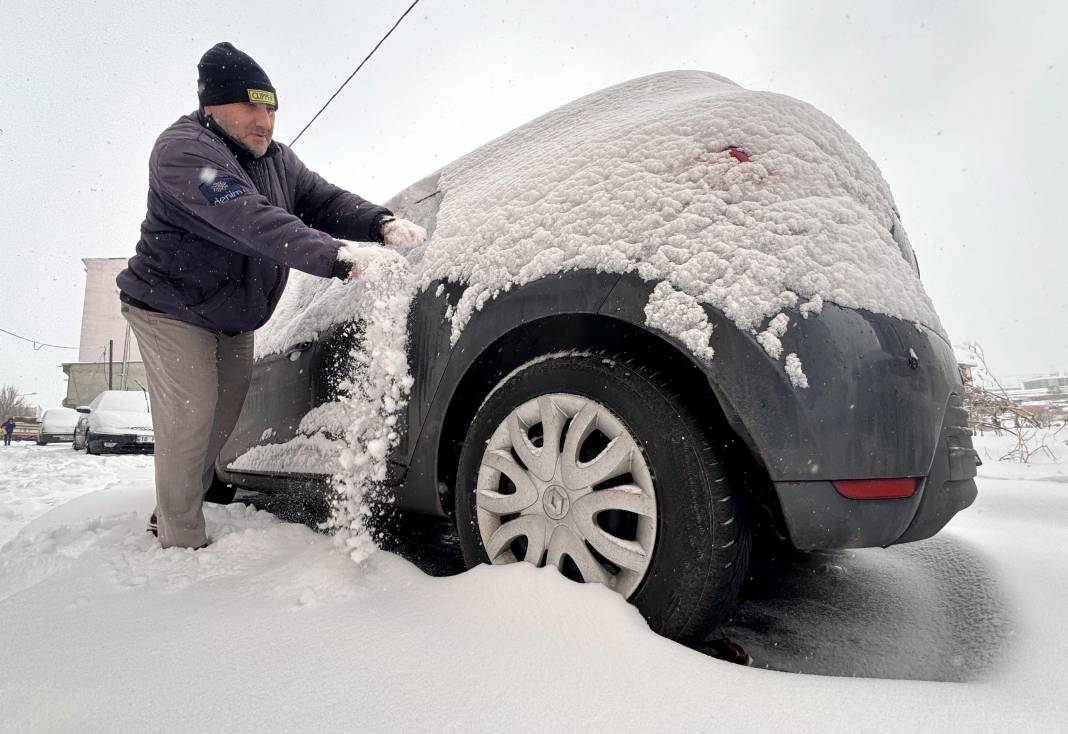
x=86 y=380
x=101 y=318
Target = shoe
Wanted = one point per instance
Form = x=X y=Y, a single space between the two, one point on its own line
x=732 y=652
x=153 y=528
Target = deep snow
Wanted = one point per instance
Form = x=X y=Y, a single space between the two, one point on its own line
x=274 y=628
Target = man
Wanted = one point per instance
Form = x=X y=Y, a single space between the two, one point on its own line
x=229 y=212
x=9 y=428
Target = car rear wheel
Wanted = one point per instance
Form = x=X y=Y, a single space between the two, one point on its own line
x=590 y=463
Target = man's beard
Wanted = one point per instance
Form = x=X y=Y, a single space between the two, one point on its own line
x=258 y=153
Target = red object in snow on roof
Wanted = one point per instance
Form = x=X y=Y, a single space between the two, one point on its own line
x=738 y=155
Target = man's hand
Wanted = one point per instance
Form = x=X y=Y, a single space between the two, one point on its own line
x=401 y=233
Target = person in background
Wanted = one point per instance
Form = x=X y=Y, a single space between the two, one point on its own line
x=230 y=211
x=9 y=428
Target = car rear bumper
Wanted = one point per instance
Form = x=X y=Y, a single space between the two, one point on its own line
x=882 y=401
x=58 y=437
x=818 y=517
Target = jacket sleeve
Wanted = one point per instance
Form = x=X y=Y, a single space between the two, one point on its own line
x=219 y=204
x=332 y=209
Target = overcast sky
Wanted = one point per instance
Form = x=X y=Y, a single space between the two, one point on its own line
x=962 y=105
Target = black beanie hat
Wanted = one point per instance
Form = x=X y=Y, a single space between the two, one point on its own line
x=229 y=75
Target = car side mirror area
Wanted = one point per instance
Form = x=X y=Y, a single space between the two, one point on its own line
x=83 y=409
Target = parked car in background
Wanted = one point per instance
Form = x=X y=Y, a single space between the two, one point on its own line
x=622 y=363
x=57 y=425
x=117 y=421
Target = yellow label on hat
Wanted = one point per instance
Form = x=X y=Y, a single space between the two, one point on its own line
x=261 y=96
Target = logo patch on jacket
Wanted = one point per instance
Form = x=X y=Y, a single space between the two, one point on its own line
x=222 y=188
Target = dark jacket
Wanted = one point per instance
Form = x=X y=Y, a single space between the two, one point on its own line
x=8 y=426
x=223 y=228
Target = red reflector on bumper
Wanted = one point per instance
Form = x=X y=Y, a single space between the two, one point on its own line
x=875 y=489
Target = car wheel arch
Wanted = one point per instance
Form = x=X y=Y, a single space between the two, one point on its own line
x=596 y=333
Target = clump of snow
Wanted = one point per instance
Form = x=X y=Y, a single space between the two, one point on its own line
x=793 y=369
x=814 y=306
x=373 y=394
x=350 y=437
x=680 y=314
x=770 y=337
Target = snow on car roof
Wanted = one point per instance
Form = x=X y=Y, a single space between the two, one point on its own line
x=132 y=401
x=640 y=177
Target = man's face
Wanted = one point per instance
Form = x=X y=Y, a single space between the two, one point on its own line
x=251 y=125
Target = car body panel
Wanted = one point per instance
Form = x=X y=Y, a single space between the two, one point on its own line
x=879 y=401
x=868 y=389
x=279 y=395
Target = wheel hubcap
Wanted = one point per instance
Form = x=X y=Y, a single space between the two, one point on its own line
x=563 y=482
x=555 y=502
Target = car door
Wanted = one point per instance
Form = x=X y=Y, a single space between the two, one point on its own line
x=287 y=385
x=280 y=394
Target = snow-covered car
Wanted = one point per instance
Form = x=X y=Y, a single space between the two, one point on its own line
x=81 y=428
x=643 y=325
x=117 y=421
x=57 y=425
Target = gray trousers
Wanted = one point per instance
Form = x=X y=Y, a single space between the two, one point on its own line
x=197 y=381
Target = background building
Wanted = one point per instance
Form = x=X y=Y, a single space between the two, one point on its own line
x=105 y=338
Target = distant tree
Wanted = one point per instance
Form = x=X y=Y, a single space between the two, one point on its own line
x=11 y=404
x=991 y=409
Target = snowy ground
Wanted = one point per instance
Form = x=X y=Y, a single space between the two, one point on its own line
x=272 y=628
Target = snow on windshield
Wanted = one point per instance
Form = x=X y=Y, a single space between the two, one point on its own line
x=750 y=202
x=129 y=401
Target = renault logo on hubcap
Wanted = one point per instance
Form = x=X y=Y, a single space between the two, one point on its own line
x=555 y=502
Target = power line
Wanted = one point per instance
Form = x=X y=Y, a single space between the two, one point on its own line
x=37 y=345
x=403 y=15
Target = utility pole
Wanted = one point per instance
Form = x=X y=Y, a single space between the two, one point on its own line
x=125 y=357
x=111 y=359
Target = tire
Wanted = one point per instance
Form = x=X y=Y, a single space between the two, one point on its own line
x=682 y=513
x=42 y=443
x=220 y=492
